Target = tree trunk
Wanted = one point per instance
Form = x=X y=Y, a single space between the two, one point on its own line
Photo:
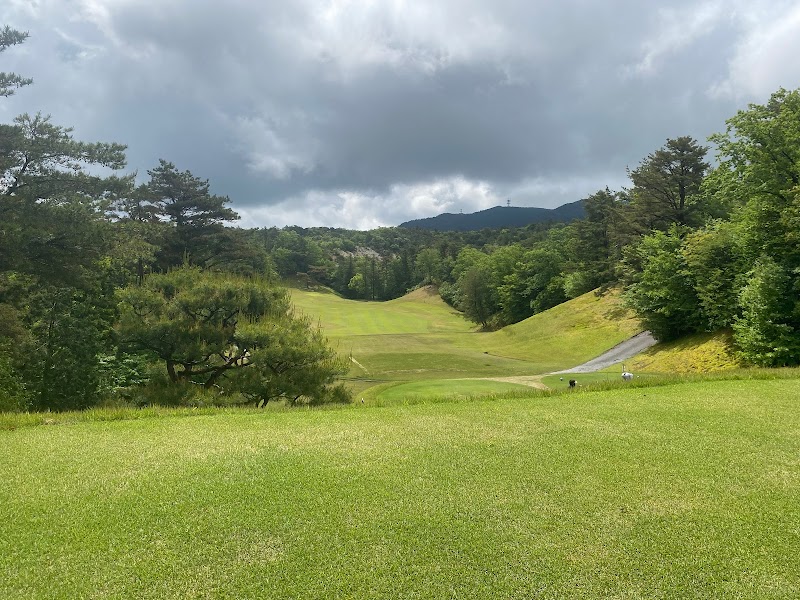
x=140 y=271
x=173 y=376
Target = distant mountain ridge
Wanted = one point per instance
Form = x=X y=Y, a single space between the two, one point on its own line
x=499 y=217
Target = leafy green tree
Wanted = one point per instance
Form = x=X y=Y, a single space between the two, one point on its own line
x=595 y=246
x=535 y=284
x=71 y=329
x=14 y=341
x=429 y=266
x=374 y=273
x=477 y=278
x=759 y=150
x=51 y=206
x=139 y=232
x=14 y=396
x=466 y=259
x=398 y=274
x=451 y=290
x=358 y=285
x=767 y=331
x=665 y=182
x=208 y=327
x=477 y=299
x=474 y=289
x=291 y=360
x=9 y=82
x=662 y=292
x=759 y=174
x=54 y=240
x=345 y=270
x=237 y=252
x=714 y=262
x=759 y=177
x=40 y=160
x=293 y=251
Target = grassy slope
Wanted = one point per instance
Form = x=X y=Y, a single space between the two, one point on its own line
x=679 y=491
x=567 y=335
x=700 y=353
x=418 y=339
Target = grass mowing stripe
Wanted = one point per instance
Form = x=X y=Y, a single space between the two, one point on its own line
x=678 y=491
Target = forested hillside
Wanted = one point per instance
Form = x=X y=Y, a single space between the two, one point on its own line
x=499 y=217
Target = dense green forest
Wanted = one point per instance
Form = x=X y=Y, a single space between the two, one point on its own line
x=149 y=293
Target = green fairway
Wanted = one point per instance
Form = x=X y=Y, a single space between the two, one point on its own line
x=419 y=338
x=681 y=491
x=421 y=311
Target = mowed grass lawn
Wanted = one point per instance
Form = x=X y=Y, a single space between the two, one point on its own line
x=682 y=491
x=411 y=338
x=442 y=389
x=420 y=338
x=421 y=311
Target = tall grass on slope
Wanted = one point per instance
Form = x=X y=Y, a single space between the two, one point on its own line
x=699 y=353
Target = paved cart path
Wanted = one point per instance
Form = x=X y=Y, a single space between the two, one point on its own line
x=622 y=351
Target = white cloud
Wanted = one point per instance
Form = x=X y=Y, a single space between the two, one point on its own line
x=358 y=210
x=677 y=28
x=268 y=150
x=425 y=36
x=766 y=58
x=354 y=210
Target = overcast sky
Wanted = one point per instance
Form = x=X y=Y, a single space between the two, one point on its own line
x=359 y=113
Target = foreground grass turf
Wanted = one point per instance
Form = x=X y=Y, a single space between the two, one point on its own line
x=441 y=388
x=672 y=492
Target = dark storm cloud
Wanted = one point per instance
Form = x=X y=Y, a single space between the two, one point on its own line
x=353 y=113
